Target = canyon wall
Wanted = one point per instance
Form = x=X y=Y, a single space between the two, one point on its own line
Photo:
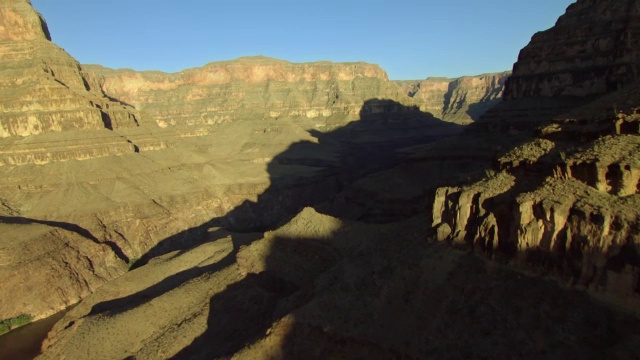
x=575 y=215
x=101 y=167
x=563 y=197
x=42 y=88
x=250 y=88
x=592 y=49
x=462 y=100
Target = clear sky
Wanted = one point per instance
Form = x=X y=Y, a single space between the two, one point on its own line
x=410 y=39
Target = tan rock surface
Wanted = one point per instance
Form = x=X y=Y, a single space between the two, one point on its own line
x=462 y=100
x=319 y=287
x=21 y=22
x=130 y=200
x=572 y=209
x=251 y=87
x=96 y=183
x=592 y=49
x=129 y=189
x=42 y=88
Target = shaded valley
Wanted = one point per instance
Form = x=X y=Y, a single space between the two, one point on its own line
x=261 y=209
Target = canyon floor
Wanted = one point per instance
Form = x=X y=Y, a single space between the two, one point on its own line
x=320 y=287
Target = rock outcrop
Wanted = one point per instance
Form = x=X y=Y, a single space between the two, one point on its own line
x=592 y=50
x=563 y=199
x=42 y=88
x=20 y=22
x=462 y=100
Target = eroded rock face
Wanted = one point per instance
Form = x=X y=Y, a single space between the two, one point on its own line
x=563 y=197
x=592 y=50
x=18 y=21
x=42 y=88
x=255 y=87
x=562 y=226
x=462 y=100
x=561 y=203
x=321 y=286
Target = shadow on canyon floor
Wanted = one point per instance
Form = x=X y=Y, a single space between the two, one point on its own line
x=309 y=174
x=306 y=174
x=476 y=110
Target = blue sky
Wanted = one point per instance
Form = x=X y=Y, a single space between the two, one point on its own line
x=410 y=39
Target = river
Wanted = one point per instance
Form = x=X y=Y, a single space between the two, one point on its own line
x=24 y=342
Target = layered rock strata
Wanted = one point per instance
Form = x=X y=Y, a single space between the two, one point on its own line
x=462 y=100
x=96 y=184
x=249 y=88
x=322 y=286
x=592 y=49
x=42 y=87
x=564 y=201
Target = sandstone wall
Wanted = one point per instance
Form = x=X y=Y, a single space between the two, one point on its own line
x=255 y=88
x=592 y=49
x=563 y=227
x=20 y=22
x=42 y=88
x=462 y=100
x=563 y=197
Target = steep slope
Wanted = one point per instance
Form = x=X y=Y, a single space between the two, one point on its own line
x=42 y=87
x=462 y=100
x=592 y=49
x=564 y=198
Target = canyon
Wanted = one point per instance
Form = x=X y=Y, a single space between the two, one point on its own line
x=257 y=208
x=99 y=165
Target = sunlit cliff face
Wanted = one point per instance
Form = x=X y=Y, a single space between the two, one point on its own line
x=18 y=21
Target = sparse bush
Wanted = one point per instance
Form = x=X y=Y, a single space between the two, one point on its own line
x=132 y=263
x=10 y=324
x=490 y=173
x=563 y=156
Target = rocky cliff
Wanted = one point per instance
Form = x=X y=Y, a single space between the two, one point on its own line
x=462 y=100
x=592 y=49
x=250 y=88
x=562 y=196
x=42 y=87
x=21 y=22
